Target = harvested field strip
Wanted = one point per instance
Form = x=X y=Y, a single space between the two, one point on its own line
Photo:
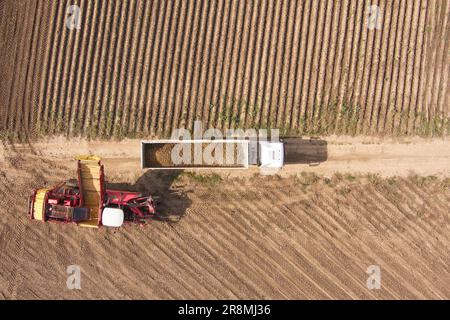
x=144 y=68
x=263 y=237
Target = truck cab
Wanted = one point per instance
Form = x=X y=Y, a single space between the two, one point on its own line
x=270 y=154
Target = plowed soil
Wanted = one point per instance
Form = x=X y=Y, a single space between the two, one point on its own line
x=147 y=67
x=287 y=236
x=143 y=68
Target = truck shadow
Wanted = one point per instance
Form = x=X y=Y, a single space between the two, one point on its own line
x=173 y=202
x=311 y=151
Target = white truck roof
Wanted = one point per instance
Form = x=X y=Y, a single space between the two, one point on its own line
x=271 y=154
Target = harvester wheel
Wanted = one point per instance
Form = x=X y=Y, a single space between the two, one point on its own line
x=156 y=199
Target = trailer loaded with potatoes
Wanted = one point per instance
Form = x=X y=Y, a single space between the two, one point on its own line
x=198 y=154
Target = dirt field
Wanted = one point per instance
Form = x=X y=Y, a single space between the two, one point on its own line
x=143 y=68
x=147 y=67
x=247 y=237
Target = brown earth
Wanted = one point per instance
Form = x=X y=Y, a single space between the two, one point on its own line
x=335 y=154
x=143 y=68
x=147 y=67
x=159 y=155
x=303 y=236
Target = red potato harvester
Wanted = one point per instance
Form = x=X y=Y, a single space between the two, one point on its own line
x=86 y=201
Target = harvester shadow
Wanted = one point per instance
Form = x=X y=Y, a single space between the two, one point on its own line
x=172 y=202
x=311 y=151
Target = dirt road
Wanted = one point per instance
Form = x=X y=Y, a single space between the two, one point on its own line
x=388 y=157
x=401 y=157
